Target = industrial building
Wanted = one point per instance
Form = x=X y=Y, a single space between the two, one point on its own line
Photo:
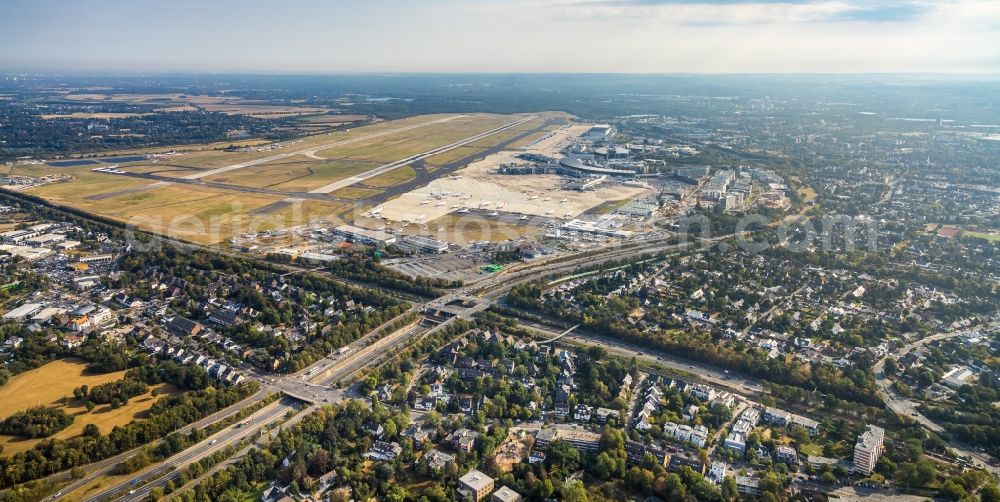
x=718 y=185
x=23 y=312
x=588 y=183
x=421 y=244
x=690 y=171
x=317 y=258
x=599 y=133
x=576 y=167
x=364 y=235
x=596 y=228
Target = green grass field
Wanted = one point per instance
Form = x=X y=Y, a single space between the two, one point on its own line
x=300 y=174
x=209 y=215
x=52 y=385
x=982 y=235
x=391 y=178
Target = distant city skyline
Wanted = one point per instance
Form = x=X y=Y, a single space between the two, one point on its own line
x=627 y=36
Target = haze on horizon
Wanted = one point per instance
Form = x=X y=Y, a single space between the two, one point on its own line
x=629 y=36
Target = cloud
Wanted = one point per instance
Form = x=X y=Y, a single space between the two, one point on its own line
x=725 y=12
x=892 y=13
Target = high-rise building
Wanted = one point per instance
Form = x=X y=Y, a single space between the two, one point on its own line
x=868 y=449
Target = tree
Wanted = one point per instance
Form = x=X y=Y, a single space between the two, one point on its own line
x=596 y=353
x=799 y=434
x=612 y=440
x=640 y=479
x=574 y=491
x=990 y=493
x=562 y=455
x=914 y=449
x=432 y=419
x=729 y=490
x=318 y=463
x=952 y=490
x=675 y=487
x=606 y=466
x=543 y=489
x=926 y=472
x=829 y=478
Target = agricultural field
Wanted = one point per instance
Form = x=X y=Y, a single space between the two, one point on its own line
x=183 y=102
x=53 y=384
x=84 y=115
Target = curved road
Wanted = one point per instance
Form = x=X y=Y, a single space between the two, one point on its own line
x=904 y=407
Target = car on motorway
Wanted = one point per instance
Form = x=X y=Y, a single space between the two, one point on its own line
x=214 y=441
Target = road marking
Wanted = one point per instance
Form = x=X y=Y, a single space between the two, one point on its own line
x=311 y=151
x=346 y=182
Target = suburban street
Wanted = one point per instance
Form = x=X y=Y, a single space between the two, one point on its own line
x=313 y=384
x=904 y=407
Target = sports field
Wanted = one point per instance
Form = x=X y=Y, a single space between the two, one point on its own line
x=52 y=385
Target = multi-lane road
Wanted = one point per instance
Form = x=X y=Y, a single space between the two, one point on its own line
x=310 y=387
x=703 y=372
x=218 y=441
x=314 y=384
x=904 y=407
x=104 y=467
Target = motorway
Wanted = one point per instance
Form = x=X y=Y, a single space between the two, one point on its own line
x=141 y=493
x=310 y=385
x=704 y=372
x=104 y=467
x=313 y=383
x=218 y=441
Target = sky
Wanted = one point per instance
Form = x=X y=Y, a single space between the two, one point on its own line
x=605 y=36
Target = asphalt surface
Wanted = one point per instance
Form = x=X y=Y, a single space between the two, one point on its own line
x=346 y=182
x=104 y=467
x=710 y=374
x=904 y=407
x=310 y=385
x=311 y=151
x=218 y=441
x=424 y=176
x=315 y=388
